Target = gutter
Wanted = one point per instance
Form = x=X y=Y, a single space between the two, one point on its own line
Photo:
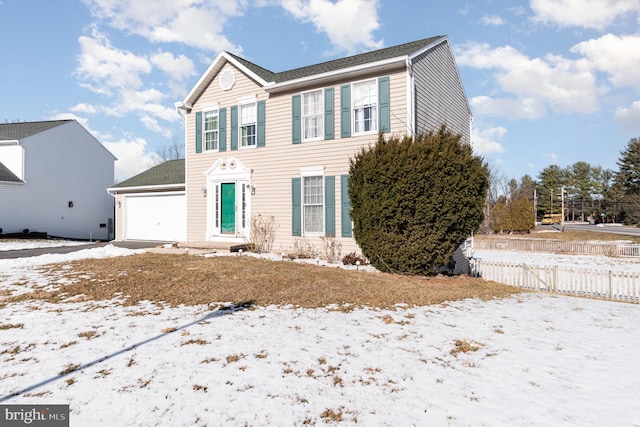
x=113 y=191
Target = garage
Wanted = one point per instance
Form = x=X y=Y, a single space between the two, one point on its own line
x=159 y=217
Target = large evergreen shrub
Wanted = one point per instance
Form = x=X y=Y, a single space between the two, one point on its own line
x=415 y=200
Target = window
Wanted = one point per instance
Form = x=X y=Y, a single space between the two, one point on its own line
x=313 y=204
x=365 y=106
x=211 y=130
x=312 y=115
x=247 y=125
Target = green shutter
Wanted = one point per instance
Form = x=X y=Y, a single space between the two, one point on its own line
x=329 y=120
x=296 y=207
x=198 y=132
x=384 y=105
x=330 y=206
x=261 y=124
x=222 y=129
x=296 y=115
x=345 y=206
x=345 y=111
x=234 y=127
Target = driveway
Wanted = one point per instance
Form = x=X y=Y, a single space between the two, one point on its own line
x=23 y=253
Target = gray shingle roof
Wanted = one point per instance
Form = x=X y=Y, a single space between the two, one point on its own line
x=338 y=64
x=6 y=175
x=168 y=173
x=18 y=131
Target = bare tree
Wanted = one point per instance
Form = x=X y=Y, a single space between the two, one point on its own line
x=173 y=151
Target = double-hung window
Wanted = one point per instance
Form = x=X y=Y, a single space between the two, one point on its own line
x=312 y=115
x=313 y=204
x=247 y=126
x=211 y=132
x=364 y=100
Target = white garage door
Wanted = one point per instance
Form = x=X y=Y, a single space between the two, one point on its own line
x=155 y=217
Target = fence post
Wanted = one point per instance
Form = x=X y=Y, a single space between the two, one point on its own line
x=610 y=284
x=555 y=279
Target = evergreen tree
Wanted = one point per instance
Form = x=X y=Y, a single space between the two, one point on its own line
x=629 y=163
x=414 y=200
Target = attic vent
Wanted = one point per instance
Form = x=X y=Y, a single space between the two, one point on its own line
x=227 y=79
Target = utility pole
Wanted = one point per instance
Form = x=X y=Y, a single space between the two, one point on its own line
x=562 y=205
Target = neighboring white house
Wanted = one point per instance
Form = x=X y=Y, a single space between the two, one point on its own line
x=152 y=204
x=53 y=180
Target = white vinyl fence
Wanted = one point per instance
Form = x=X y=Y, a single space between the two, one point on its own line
x=600 y=284
x=558 y=247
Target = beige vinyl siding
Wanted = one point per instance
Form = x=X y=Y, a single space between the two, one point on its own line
x=440 y=97
x=119 y=221
x=279 y=161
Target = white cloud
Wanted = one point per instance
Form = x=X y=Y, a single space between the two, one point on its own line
x=106 y=66
x=597 y=14
x=131 y=156
x=177 y=67
x=198 y=23
x=486 y=140
x=629 y=117
x=152 y=124
x=531 y=86
x=349 y=24
x=618 y=56
x=493 y=20
x=83 y=108
x=512 y=108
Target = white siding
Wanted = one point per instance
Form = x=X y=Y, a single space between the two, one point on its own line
x=63 y=164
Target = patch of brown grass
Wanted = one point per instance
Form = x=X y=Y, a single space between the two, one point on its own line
x=566 y=236
x=195 y=280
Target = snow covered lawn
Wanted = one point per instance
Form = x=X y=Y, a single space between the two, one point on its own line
x=530 y=360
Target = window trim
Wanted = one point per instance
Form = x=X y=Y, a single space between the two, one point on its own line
x=320 y=116
x=353 y=109
x=244 y=102
x=210 y=109
x=311 y=172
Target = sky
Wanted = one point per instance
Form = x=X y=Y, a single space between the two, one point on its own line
x=548 y=81
x=539 y=359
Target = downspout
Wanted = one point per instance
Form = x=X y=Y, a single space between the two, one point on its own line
x=411 y=119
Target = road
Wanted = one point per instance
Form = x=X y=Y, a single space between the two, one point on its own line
x=611 y=229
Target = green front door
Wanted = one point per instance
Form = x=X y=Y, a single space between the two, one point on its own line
x=228 y=209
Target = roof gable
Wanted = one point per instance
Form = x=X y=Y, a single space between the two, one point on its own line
x=170 y=172
x=21 y=130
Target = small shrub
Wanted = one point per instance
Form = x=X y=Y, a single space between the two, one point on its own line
x=263 y=233
x=302 y=249
x=330 y=249
x=353 y=259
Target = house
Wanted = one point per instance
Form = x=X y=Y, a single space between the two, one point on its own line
x=278 y=144
x=53 y=177
x=152 y=204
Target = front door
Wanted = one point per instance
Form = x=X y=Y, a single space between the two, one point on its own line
x=228 y=208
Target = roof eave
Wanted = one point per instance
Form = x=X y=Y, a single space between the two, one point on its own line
x=116 y=190
x=346 y=73
x=430 y=46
